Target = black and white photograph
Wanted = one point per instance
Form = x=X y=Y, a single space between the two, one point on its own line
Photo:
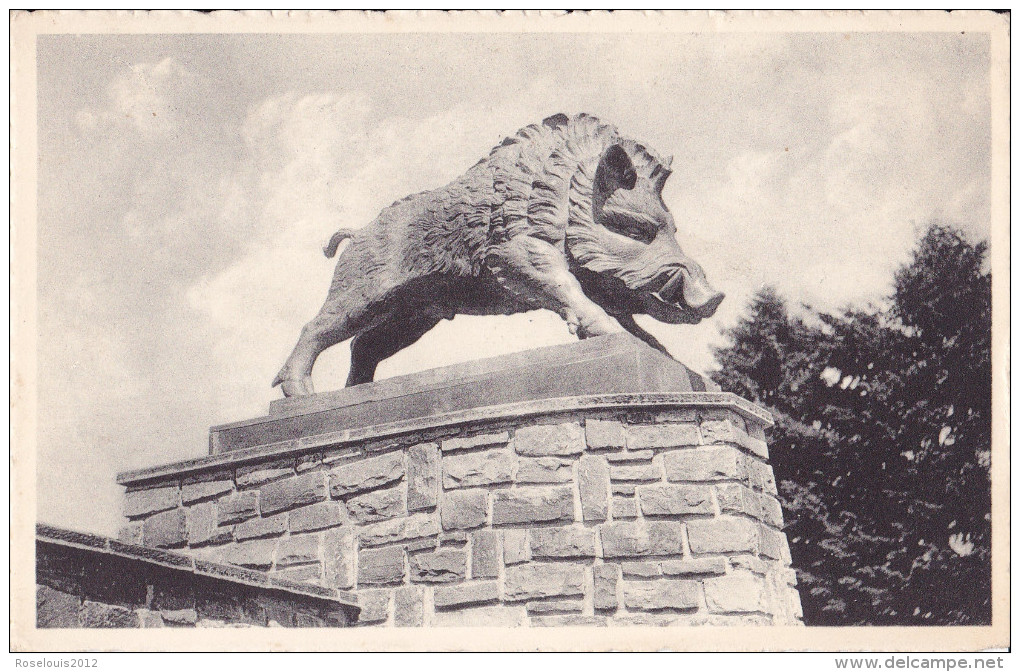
x=580 y=331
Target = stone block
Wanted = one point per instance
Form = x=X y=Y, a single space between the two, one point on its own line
x=750 y=563
x=238 y=507
x=301 y=573
x=516 y=548
x=197 y=491
x=423 y=462
x=562 y=542
x=624 y=489
x=724 y=415
x=593 y=483
x=735 y=593
x=374 y=472
x=630 y=456
x=297 y=550
x=532 y=505
x=464 y=509
x=493 y=616
x=675 y=500
x=604 y=434
x=660 y=436
x=257 y=554
x=535 y=581
x=455 y=538
x=257 y=474
x=416 y=526
x=203 y=526
x=796 y=609
x=417 y=545
x=308 y=462
x=624 y=508
x=771 y=510
x=339 y=554
x=661 y=594
x=380 y=566
x=569 y=621
x=469 y=470
x=717 y=463
x=641 y=570
x=408 y=607
x=761 y=475
x=730 y=432
x=773 y=544
x=724 y=534
x=256 y=528
x=737 y=499
x=318 y=516
x=555 y=607
x=131 y=533
x=495 y=440
x=99 y=615
x=640 y=539
x=540 y=440
x=375 y=606
x=143 y=502
x=445 y=566
x=55 y=608
x=168 y=529
x=293 y=492
x=544 y=470
x=641 y=472
x=179 y=617
x=377 y=505
x=485 y=554
x=473 y=592
x=147 y=619
x=694 y=567
x=606 y=578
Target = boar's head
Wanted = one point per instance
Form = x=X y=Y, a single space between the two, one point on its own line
x=622 y=239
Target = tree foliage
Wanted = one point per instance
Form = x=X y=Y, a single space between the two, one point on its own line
x=883 y=438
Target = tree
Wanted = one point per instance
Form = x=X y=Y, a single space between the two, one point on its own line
x=882 y=440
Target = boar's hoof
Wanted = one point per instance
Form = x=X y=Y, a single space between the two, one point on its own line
x=301 y=387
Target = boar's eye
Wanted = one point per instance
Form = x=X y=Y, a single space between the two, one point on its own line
x=635 y=227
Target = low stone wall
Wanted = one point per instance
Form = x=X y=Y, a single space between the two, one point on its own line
x=88 y=581
x=626 y=509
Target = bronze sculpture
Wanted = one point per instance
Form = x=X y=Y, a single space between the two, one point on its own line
x=565 y=215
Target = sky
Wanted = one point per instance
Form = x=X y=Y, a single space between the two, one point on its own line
x=187 y=184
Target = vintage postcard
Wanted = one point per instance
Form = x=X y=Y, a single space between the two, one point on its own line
x=583 y=331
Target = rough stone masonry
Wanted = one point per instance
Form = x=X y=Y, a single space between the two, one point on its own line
x=635 y=510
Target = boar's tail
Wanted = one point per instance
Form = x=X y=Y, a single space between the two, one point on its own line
x=330 y=249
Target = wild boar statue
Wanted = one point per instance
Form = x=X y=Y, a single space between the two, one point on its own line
x=565 y=215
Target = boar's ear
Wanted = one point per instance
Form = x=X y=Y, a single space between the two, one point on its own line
x=660 y=174
x=615 y=171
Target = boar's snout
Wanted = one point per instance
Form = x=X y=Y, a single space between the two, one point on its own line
x=689 y=288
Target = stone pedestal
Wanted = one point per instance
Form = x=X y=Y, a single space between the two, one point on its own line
x=497 y=494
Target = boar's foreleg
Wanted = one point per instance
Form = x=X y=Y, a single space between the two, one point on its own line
x=628 y=323
x=385 y=340
x=538 y=272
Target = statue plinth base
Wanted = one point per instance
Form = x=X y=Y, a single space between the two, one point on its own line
x=596 y=486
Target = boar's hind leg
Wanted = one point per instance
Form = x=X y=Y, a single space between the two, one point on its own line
x=537 y=271
x=396 y=333
x=325 y=330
